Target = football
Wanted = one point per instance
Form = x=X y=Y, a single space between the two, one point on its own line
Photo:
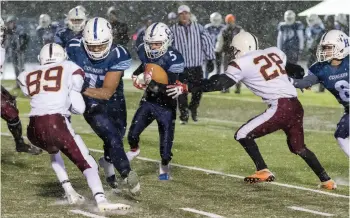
x=156 y=72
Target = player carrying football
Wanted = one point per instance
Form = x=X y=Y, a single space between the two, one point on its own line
x=54 y=89
x=332 y=70
x=104 y=65
x=156 y=104
x=265 y=73
x=9 y=111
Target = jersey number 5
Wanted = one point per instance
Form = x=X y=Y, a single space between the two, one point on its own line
x=34 y=80
x=271 y=60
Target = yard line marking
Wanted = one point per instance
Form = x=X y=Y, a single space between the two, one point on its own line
x=226 y=174
x=87 y=214
x=311 y=211
x=211 y=215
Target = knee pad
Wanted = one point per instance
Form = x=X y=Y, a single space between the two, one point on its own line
x=85 y=152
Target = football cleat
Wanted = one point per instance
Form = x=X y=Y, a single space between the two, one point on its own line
x=74 y=198
x=133 y=183
x=132 y=154
x=183 y=122
x=105 y=206
x=329 y=185
x=164 y=172
x=108 y=168
x=30 y=149
x=260 y=176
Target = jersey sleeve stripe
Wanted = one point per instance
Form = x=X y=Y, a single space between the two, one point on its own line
x=79 y=72
x=234 y=64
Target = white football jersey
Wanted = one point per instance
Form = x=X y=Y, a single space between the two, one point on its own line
x=52 y=86
x=263 y=72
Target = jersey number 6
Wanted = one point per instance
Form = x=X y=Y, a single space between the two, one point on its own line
x=271 y=57
x=34 y=85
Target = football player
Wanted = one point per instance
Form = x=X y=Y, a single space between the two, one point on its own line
x=155 y=104
x=290 y=37
x=265 y=73
x=104 y=65
x=9 y=111
x=54 y=89
x=332 y=71
x=76 y=20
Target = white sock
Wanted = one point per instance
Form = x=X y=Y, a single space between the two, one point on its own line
x=58 y=166
x=108 y=168
x=163 y=169
x=94 y=182
x=344 y=144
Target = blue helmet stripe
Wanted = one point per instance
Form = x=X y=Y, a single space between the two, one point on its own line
x=76 y=11
x=95 y=28
x=153 y=29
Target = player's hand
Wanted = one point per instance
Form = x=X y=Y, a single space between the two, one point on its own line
x=136 y=83
x=210 y=66
x=177 y=89
x=148 y=76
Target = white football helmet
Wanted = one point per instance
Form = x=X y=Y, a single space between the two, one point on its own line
x=82 y=8
x=289 y=17
x=216 y=19
x=52 y=53
x=97 y=38
x=244 y=42
x=157 y=33
x=313 y=19
x=76 y=19
x=44 y=21
x=334 y=44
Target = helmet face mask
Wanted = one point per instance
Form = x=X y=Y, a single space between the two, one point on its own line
x=76 y=19
x=97 y=38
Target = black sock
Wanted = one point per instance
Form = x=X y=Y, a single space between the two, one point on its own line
x=252 y=149
x=15 y=128
x=311 y=160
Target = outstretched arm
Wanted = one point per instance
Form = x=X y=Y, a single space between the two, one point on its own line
x=305 y=82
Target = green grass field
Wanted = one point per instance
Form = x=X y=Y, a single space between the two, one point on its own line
x=30 y=188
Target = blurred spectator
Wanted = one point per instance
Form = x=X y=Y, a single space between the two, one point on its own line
x=45 y=32
x=214 y=28
x=16 y=43
x=329 y=22
x=313 y=33
x=120 y=30
x=141 y=32
x=342 y=23
x=290 y=37
x=172 y=18
x=193 y=41
x=76 y=20
x=223 y=43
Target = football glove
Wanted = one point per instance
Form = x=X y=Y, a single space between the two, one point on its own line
x=177 y=89
x=137 y=84
x=294 y=71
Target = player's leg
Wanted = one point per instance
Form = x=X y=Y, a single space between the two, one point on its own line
x=195 y=76
x=238 y=88
x=295 y=140
x=166 y=126
x=182 y=100
x=342 y=134
x=103 y=126
x=142 y=118
x=261 y=125
x=218 y=61
x=9 y=113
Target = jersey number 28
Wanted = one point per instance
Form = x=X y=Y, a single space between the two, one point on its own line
x=272 y=60
x=34 y=80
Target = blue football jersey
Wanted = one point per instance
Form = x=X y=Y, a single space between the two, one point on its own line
x=118 y=59
x=334 y=78
x=64 y=35
x=214 y=31
x=173 y=63
x=290 y=40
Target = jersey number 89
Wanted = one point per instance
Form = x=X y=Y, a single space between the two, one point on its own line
x=34 y=85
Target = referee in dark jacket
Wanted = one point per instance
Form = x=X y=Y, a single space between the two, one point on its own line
x=119 y=29
x=193 y=42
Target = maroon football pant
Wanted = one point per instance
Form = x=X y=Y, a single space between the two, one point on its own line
x=52 y=134
x=283 y=114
